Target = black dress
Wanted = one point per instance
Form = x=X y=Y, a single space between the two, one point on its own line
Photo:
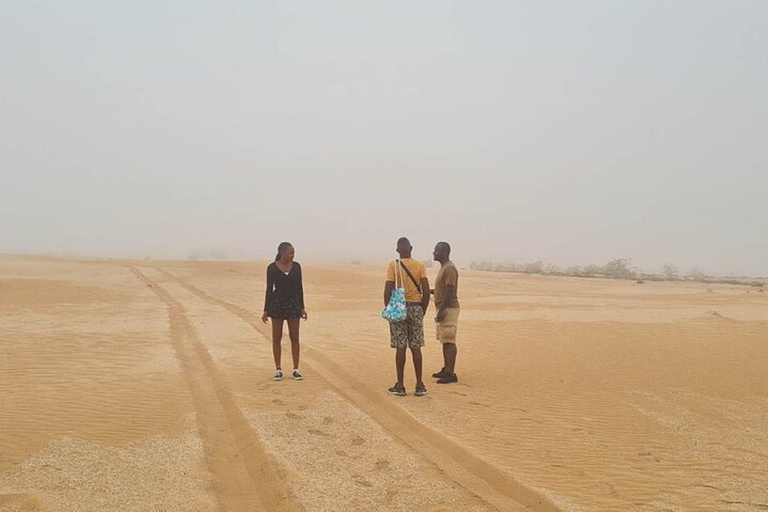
x=285 y=293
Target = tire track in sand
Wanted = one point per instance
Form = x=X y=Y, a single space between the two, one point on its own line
x=467 y=469
x=243 y=477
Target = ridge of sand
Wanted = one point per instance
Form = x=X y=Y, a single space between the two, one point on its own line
x=251 y=480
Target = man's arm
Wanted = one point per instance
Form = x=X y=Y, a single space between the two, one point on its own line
x=424 y=294
x=389 y=286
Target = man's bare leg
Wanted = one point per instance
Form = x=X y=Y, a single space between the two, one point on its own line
x=400 y=365
x=417 y=363
x=449 y=357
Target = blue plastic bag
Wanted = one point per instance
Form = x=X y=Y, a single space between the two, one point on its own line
x=396 y=310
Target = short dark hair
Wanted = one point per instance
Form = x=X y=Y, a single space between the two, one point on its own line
x=403 y=241
x=282 y=247
x=446 y=246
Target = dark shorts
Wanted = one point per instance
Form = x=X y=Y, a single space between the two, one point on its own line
x=284 y=307
x=410 y=332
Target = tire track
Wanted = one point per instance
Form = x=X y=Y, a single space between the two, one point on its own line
x=244 y=480
x=467 y=469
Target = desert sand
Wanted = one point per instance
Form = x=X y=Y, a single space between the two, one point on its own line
x=147 y=386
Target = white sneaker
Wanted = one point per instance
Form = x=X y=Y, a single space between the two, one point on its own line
x=297 y=374
x=278 y=375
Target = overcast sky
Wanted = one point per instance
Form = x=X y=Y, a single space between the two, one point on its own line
x=572 y=132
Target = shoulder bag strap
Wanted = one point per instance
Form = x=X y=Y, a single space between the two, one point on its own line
x=418 y=286
x=398 y=275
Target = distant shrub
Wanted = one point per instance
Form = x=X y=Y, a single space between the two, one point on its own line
x=670 y=272
x=619 y=268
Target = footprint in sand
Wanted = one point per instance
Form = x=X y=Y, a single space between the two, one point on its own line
x=359 y=480
x=649 y=455
x=278 y=401
x=318 y=432
x=479 y=404
x=292 y=416
x=607 y=488
x=327 y=420
x=381 y=465
x=358 y=441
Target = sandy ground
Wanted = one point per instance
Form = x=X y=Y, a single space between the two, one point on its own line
x=146 y=386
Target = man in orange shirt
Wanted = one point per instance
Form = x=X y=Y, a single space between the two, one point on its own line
x=410 y=332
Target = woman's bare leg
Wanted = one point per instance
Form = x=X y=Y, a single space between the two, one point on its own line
x=293 y=332
x=277 y=336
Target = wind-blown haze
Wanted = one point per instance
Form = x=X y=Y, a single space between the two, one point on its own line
x=571 y=132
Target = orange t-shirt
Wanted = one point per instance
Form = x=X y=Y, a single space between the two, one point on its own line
x=395 y=272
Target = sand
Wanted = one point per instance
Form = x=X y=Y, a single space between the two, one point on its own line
x=146 y=386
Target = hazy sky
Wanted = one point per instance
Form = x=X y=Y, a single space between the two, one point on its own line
x=573 y=132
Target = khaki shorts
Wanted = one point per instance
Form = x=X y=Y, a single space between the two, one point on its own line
x=446 y=330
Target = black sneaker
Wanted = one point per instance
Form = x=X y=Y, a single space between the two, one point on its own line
x=440 y=374
x=397 y=390
x=448 y=379
x=421 y=389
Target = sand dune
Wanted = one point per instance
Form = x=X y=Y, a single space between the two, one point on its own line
x=138 y=386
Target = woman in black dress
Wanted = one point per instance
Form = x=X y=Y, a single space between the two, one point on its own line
x=284 y=302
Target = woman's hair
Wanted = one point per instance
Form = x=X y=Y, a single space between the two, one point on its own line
x=280 y=248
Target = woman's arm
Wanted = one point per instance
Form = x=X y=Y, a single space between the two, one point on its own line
x=300 y=286
x=301 y=292
x=268 y=296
